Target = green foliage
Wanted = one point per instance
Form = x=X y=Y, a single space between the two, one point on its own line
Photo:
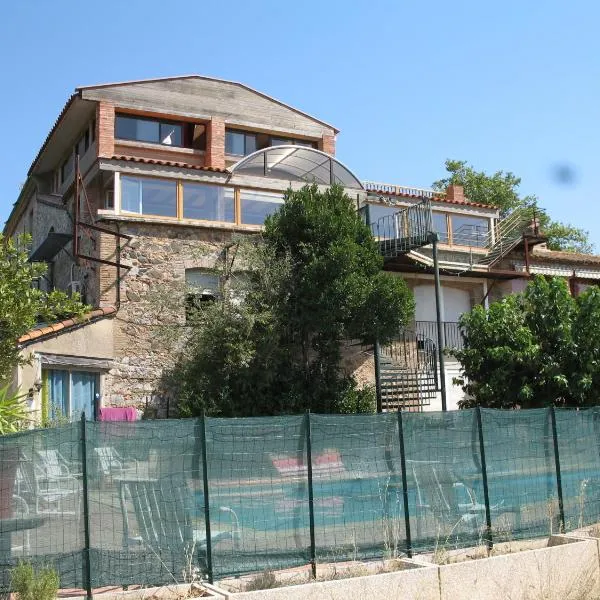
x=14 y=413
x=534 y=349
x=29 y=584
x=501 y=190
x=315 y=280
x=21 y=304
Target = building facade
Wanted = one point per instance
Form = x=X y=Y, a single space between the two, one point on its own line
x=142 y=191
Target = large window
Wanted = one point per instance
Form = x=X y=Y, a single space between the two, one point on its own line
x=257 y=206
x=147 y=196
x=469 y=231
x=203 y=286
x=242 y=143
x=208 y=202
x=149 y=130
x=440 y=226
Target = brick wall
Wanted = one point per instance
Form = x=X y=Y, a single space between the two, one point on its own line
x=215 y=144
x=328 y=144
x=105 y=129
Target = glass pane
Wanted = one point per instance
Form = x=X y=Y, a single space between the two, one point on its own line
x=131 y=194
x=147 y=131
x=250 y=143
x=83 y=394
x=469 y=231
x=257 y=206
x=440 y=226
x=170 y=134
x=204 y=280
x=208 y=202
x=125 y=128
x=159 y=197
x=383 y=224
x=280 y=141
x=58 y=393
x=234 y=142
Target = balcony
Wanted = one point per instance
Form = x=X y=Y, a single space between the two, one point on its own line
x=451 y=333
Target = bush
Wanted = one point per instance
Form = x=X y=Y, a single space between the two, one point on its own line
x=31 y=585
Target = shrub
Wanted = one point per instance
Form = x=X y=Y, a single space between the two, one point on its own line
x=29 y=584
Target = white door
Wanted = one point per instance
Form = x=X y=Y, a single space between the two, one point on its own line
x=456 y=302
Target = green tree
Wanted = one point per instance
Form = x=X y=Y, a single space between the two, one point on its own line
x=316 y=280
x=534 y=349
x=22 y=304
x=501 y=189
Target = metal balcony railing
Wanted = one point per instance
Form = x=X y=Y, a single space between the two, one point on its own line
x=451 y=333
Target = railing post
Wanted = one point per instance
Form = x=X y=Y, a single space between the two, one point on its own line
x=486 y=495
x=311 y=505
x=404 y=486
x=438 y=314
x=559 y=488
x=376 y=353
x=209 y=563
x=86 y=509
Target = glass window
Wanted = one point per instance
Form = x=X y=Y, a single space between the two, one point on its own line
x=470 y=231
x=148 y=130
x=70 y=393
x=203 y=286
x=239 y=142
x=66 y=169
x=257 y=206
x=149 y=196
x=381 y=220
x=208 y=202
x=440 y=226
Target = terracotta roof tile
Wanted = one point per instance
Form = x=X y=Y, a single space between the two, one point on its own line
x=562 y=256
x=167 y=163
x=53 y=328
x=434 y=199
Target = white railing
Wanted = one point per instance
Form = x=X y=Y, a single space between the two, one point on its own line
x=402 y=190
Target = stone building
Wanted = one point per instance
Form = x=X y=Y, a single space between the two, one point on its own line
x=142 y=190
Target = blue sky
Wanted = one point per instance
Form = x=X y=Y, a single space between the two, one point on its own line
x=509 y=85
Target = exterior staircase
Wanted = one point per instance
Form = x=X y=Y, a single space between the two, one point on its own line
x=408 y=372
x=509 y=233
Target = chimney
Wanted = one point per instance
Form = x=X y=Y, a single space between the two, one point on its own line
x=455 y=193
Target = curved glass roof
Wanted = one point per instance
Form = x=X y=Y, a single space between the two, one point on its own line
x=297 y=163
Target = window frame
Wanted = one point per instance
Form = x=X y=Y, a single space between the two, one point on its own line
x=150 y=178
x=270 y=137
x=160 y=122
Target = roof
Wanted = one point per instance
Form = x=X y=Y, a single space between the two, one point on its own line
x=562 y=256
x=194 y=76
x=167 y=163
x=297 y=163
x=39 y=333
x=433 y=198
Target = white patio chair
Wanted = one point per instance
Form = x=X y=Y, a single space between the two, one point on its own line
x=54 y=482
x=110 y=463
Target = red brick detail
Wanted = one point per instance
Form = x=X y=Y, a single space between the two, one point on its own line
x=214 y=156
x=328 y=144
x=105 y=129
x=455 y=193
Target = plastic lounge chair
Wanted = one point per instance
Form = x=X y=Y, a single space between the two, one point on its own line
x=324 y=464
x=54 y=482
x=21 y=509
x=111 y=463
x=164 y=512
x=451 y=502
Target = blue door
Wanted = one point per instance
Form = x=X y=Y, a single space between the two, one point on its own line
x=71 y=393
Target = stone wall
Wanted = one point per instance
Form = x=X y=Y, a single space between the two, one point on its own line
x=152 y=304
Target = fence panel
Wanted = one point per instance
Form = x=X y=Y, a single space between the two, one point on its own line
x=258 y=485
x=40 y=503
x=145 y=501
x=579 y=449
x=443 y=466
x=357 y=485
x=521 y=473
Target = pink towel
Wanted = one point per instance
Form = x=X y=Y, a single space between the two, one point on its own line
x=126 y=413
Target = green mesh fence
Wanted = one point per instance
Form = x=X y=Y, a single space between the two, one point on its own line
x=157 y=502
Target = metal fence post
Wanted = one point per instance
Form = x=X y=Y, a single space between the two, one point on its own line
x=559 y=489
x=311 y=505
x=86 y=510
x=376 y=358
x=404 y=486
x=486 y=494
x=209 y=563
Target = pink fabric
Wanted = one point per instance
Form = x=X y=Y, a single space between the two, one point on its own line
x=127 y=413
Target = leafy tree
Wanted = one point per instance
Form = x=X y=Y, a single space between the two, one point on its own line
x=316 y=280
x=534 y=349
x=501 y=190
x=22 y=305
